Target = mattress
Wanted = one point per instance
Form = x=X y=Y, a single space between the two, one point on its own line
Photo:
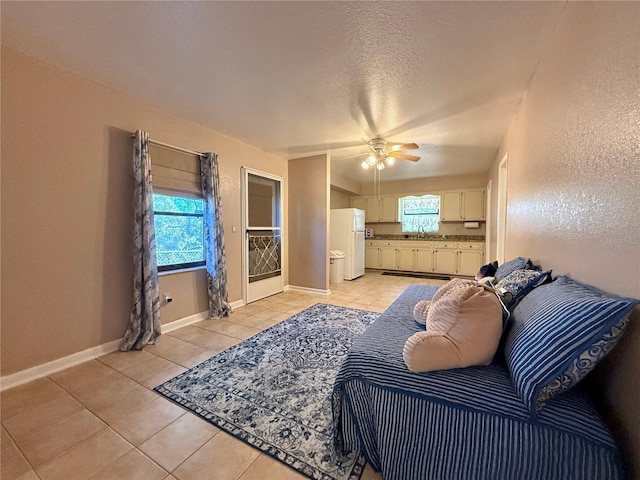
x=464 y=423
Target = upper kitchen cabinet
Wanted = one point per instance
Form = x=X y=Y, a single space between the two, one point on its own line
x=462 y=205
x=377 y=209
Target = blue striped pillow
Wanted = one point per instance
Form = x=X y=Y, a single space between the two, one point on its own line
x=555 y=325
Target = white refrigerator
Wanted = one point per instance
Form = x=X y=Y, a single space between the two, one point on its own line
x=347 y=234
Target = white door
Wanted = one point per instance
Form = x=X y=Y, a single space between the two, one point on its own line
x=262 y=225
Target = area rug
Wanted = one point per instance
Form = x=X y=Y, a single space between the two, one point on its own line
x=273 y=391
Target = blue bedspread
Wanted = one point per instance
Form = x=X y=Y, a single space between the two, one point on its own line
x=464 y=423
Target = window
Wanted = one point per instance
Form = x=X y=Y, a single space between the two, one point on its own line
x=420 y=214
x=179 y=224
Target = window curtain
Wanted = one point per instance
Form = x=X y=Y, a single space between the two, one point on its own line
x=214 y=238
x=144 y=321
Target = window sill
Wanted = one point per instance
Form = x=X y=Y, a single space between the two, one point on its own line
x=181 y=270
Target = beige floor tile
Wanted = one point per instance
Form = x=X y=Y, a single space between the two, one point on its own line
x=13 y=465
x=30 y=475
x=221 y=458
x=133 y=465
x=199 y=358
x=236 y=330
x=25 y=397
x=178 y=441
x=123 y=360
x=92 y=391
x=266 y=467
x=80 y=377
x=174 y=349
x=55 y=439
x=112 y=408
x=148 y=420
x=86 y=458
x=42 y=416
x=148 y=368
x=204 y=338
x=164 y=375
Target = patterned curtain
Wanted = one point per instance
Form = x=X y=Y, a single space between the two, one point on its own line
x=214 y=238
x=144 y=321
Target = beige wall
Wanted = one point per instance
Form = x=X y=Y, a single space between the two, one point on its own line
x=67 y=185
x=573 y=178
x=340 y=199
x=309 y=222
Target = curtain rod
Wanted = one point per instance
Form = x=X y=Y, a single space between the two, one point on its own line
x=172 y=147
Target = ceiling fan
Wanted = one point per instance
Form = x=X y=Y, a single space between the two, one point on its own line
x=384 y=153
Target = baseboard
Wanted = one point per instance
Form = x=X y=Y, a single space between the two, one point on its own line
x=307 y=290
x=40 y=371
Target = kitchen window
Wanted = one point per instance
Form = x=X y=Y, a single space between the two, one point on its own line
x=179 y=225
x=420 y=214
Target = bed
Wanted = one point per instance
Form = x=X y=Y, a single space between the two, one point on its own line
x=467 y=423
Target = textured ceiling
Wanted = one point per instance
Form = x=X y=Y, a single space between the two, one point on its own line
x=299 y=78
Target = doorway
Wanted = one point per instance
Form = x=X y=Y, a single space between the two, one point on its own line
x=262 y=227
x=502 y=208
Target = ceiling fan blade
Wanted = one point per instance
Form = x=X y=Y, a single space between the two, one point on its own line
x=403 y=146
x=405 y=156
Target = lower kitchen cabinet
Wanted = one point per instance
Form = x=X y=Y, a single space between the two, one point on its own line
x=406 y=259
x=372 y=257
x=439 y=257
x=424 y=260
x=469 y=261
x=388 y=258
x=445 y=261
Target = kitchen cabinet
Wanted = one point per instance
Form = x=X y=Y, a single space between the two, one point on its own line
x=459 y=258
x=377 y=209
x=450 y=206
x=388 y=258
x=462 y=205
x=445 y=257
x=407 y=259
x=371 y=257
x=473 y=204
x=424 y=260
x=380 y=254
x=470 y=258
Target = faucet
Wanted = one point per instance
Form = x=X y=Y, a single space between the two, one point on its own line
x=421 y=231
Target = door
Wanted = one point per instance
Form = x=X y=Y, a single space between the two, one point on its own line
x=262 y=225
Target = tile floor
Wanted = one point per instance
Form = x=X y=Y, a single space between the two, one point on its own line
x=101 y=419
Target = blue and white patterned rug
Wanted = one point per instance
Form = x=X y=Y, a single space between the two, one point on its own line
x=273 y=391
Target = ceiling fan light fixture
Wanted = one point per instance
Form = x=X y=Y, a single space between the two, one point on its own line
x=371 y=160
x=390 y=161
x=380 y=165
x=365 y=165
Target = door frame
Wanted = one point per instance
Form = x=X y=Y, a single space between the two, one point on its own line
x=501 y=230
x=245 y=172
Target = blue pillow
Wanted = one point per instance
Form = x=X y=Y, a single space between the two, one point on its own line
x=517 y=263
x=560 y=331
x=514 y=286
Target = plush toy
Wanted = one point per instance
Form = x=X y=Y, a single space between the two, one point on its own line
x=463 y=328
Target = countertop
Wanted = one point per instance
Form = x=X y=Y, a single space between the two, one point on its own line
x=431 y=238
